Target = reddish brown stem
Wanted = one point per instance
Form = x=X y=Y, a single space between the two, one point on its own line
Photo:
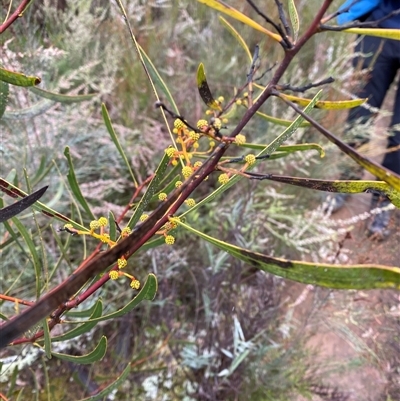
x=15 y=15
x=16 y=300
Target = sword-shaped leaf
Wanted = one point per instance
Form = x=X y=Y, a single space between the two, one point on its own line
x=73 y=183
x=16 y=78
x=325 y=104
x=350 y=187
x=58 y=97
x=237 y=36
x=322 y=274
x=294 y=19
x=4 y=92
x=232 y=12
x=204 y=89
x=381 y=33
x=29 y=112
x=96 y=355
x=117 y=144
x=17 y=207
x=279 y=121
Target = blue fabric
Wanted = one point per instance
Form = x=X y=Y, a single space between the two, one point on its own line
x=386 y=7
x=357 y=10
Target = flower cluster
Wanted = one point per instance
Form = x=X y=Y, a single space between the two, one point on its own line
x=97 y=230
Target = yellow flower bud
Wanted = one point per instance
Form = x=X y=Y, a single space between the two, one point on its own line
x=202 y=125
x=113 y=275
x=135 y=284
x=162 y=196
x=169 y=239
x=198 y=164
x=223 y=178
x=178 y=184
x=103 y=222
x=240 y=139
x=143 y=217
x=187 y=171
x=122 y=263
x=190 y=202
x=94 y=225
x=250 y=159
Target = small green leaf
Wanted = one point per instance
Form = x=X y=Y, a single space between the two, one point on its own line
x=280 y=121
x=73 y=183
x=112 y=225
x=58 y=97
x=16 y=78
x=4 y=92
x=113 y=386
x=47 y=339
x=96 y=355
x=83 y=328
x=322 y=274
x=117 y=144
x=301 y=147
x=294 y=19
x=32 y=249
x=204 y=90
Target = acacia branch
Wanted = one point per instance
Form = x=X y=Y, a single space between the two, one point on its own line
x=19 y=11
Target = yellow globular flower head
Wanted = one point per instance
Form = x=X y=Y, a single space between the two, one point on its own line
x=187 y=171
x=238 y=102
x=126 y=231
x=174 y=223
x=94 y=225
x=221 y=99
x=105 y=238
x=208 y=112
x=225 y=120
x=135 y=284
x=169 y=239
x=179 y=124
x=103 y=222
x=250 y=159
x=170 y=152
x=196 y=145
x=122 y=263
x=143 y=217
x=174 y=162
x=197 y=164
x=113 y=275
x=162 y=196
x=223 y=178
x=178 y=184
x=202 y=125
x=217 y=124
x=240 y=139
x=195 y=136
x=190 y=202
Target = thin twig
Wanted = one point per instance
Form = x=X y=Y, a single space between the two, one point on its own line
x=287 y=44
x=304 y=88
x=282 y=17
